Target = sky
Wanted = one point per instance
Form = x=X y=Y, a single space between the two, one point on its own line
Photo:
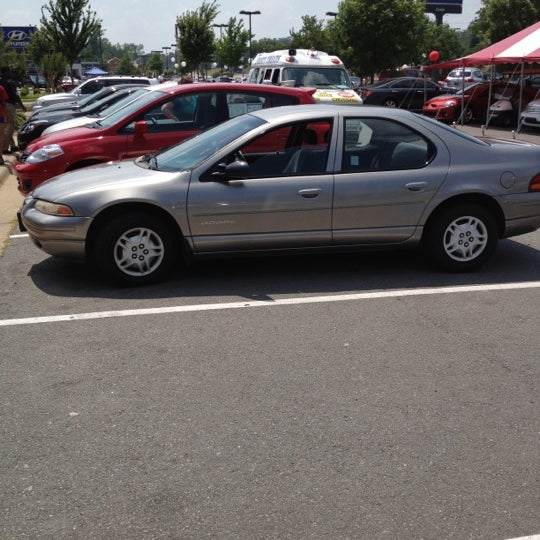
x=151 y=22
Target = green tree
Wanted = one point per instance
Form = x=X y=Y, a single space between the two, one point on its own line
x=196 y=40
x=232 y=47
x=126 y=66
x=155 y=64
x=68 y=26
x=370 y=36
x=50 y=64
x=312 y=35
x=498 y=19
x=270 y=44
x=441 y=38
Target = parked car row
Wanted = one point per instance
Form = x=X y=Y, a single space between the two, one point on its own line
x=402 y=92
x=86 y=109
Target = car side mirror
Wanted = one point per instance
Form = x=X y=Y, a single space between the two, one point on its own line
x=236 y=170
x=141 y=127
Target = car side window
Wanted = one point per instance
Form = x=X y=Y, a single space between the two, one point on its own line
x=377 y=144
x=290 y=150
x=244 y=102
x=190 y=111
x=240 y=103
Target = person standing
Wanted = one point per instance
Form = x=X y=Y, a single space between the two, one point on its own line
x=3 y=100
x=10 y=110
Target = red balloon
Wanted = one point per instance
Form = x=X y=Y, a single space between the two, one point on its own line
x=433 y=56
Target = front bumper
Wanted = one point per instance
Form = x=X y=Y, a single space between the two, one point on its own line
x=55 y=235
x=31 y=175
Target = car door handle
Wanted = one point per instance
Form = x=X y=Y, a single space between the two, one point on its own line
x=416 y=186
x=309 y=193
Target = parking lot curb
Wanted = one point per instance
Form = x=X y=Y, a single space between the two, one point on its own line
x=10 y=201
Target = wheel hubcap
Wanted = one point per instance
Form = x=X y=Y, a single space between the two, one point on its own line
x=139 y=252
x=465 y=238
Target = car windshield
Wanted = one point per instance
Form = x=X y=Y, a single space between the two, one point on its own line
x=121 y=103
x=133 y=104
x=317 y=77
x=90 y=98
x=193 y=151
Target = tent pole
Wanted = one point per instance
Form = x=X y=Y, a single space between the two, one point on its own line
x=520 y=96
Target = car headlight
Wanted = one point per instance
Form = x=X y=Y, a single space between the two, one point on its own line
x=449 y=103
x=53 y=209
x=49 y=151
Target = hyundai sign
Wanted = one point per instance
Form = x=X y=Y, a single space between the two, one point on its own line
x=17 y=37
x=444 y=6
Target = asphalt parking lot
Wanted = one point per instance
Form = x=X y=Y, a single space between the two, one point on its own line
x=332 y=398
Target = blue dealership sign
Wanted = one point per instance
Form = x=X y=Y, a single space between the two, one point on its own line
x=17 y=37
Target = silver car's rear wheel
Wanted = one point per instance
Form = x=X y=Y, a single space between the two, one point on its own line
x=135 y=249
x=465 y=238
x=461 y=238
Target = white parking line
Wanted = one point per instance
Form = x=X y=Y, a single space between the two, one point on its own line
x=533 y=537
x=269 y=303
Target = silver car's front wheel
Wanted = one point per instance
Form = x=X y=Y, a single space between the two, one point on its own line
x=135 y=249
x=139 y=252
x=462 y=237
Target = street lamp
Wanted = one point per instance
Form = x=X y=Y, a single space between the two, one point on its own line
x=331 y=14
x=249 y=14
x=221 y=27
x=166 y=58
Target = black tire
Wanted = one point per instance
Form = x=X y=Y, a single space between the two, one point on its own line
x=461 y=238
x=468 y=116
x=135 y=249
x=506 y=119
x=389 y=102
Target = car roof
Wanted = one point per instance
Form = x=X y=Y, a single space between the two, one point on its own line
x=175 y=88
x=308 y=111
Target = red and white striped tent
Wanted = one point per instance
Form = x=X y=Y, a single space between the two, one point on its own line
x=520 y=48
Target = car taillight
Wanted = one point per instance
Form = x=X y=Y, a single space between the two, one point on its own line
x=534 y=184
x=366 y=93
x=470 y=79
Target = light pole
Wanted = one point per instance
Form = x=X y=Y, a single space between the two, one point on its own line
x=249 y=14
x=221 y=27
x=166 y=58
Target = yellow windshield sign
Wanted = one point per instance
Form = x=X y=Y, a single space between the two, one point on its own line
x=337 y=96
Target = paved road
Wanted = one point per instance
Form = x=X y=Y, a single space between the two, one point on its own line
x=368 y=398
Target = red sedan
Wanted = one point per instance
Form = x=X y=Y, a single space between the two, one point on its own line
x=469 y=104
x=160 y=118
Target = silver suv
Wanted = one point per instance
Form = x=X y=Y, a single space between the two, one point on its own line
x=463 y=77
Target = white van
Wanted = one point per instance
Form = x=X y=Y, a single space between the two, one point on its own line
x=306 y=67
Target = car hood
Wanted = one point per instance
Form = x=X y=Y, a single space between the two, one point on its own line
x=60 y=137
x=122 y=179
x=442 y=98
x=69 y=124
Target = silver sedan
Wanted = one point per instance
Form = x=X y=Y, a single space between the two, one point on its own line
x=299 y=178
